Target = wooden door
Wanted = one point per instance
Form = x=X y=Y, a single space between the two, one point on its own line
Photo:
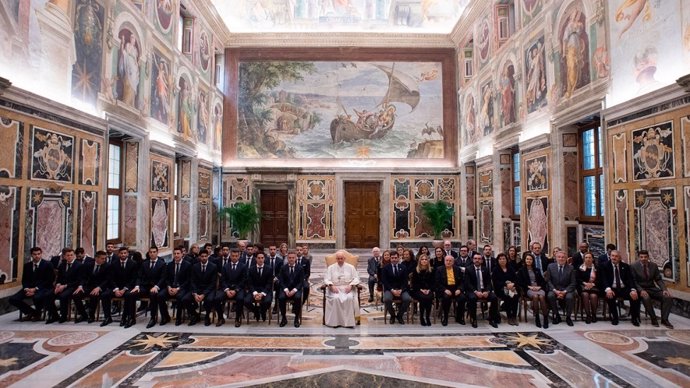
x=274 y=217
x=362 y=218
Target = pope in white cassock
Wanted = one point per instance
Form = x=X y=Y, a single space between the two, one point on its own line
x=342 y=304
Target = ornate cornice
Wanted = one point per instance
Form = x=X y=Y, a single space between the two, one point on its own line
x=338 y=40
x=209 y=13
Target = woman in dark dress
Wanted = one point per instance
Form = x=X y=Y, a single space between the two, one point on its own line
x=514 y=258
x=423 y=250
x=407 y=259
x=438 y=258
x=505 y=286
x=423 y=288
x=532 y=283
x=588 y=287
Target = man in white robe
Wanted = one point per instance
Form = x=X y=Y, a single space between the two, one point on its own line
x=342 y=304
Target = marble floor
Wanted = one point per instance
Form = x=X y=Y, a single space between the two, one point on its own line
x=374 y=354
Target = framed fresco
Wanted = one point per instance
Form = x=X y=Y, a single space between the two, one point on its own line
x=373 y=107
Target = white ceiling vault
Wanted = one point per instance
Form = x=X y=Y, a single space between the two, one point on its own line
x=340 y=16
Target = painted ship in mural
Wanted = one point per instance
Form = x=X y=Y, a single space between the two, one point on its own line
x=377 y=123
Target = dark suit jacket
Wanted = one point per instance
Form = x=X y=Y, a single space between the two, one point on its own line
x=291 y=282
x=472 y=283
x=544 y=262
x=452 y=253
x=55 y=261
x=306 y=269
x=183 y=275
x=71 y=278
x=43 y=277
x=492 y=263
x=653 y=281
x=124 y=278
x=603 y=260
x=91 y=280
x=608 y=276
x=203 y=282
x=441 y=279
x=277 y=265
x=149 y=277
x=218 y=261
x=566 y=282
x=392 y=281
x=459 y=262
x=578 y=259
x=260 y=284
x=372 y=266
x=233 y=280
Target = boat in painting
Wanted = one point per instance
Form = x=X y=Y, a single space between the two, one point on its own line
x=376 y=124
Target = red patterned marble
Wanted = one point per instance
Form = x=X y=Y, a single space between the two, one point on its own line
x=50 y=226
x=570 y=205
x=656 y=225
x=537 y=220
x=621 y=223
x=471 y=196
x=316 y=218
x=130 y=221
x=7 y=205
x=183 y=221
x=159 y=222
x=88 y=207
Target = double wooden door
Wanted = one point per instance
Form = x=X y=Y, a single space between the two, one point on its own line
x=362 y=214
x=274 y=217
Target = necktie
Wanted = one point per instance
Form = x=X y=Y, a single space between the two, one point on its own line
x=95 y=269
x=68 y=266
x=560 y=272
x=395 y=270
x=260 y=271
x=292 y=270
x=122 y=264
x=152 y=264
x=234 y=266
x=225 y=261
x=35 y=267
x=177 y=269
x=646 y=272
x=488 y=263
x=480 y=280
x=203 y=268
x=537 y=261
x=617 y=274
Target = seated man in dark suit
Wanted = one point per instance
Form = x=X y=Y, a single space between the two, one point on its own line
x=259 y=288
x=150 y=281
x=561 y=282
x=204 y=276
x=58 y=259
x=449 y=286
x=478 y=288
x=68 y=280
x=175 y=286
x=372 y=269
x=233 y=278
x=396 y=286
x=306 y=270
x=275 y=262
x=37 y=284
x=290 y=283
x=651 y=286
x=579 y=256
x=605 y=258
x=124 y=275
x=620 y=283
x=97 y=286
x=448 y=249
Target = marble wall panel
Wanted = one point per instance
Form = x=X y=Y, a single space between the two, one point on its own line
x=506 y=236
x=406 y=216
x=186 y=179
x=237 y=188
x=595 y=236
x=129 y=232
x=52 y=155
x=90 y=162
x=486 y=183
x=131 y=167
x=506 y=193
x=205 y=205
x=656 y=228
x=571 y=209
x=447 y=189
x=9 y=232
x=621 y=223
x=316 y=196
x=619 y=157
x=470 y=182
x=11 y=132
x=204 y=184
x=686 y=192
x=486 y=222
x=425 y=188
x=517 y=233
x=422 y=227
x=204 y=222
x=538 y=221
x=183 y=218
x=49 y=221
x=652 y=152
x=569 y=140
x=88 y=222
x=161 y=176
x=316 y=221
x=685 y=150
x=160 y=209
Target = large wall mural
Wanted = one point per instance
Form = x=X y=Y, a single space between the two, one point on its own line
x=574 y=47
x=340 y=109
x=129 y=57
x=535 y=75
x=161 y=88
x=88 y=43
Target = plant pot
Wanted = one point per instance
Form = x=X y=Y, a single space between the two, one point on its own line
x=437 y=243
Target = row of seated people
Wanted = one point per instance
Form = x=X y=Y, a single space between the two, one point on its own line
x=190 y=283
x=466 y=282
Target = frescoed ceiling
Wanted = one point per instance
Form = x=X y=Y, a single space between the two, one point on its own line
x=394 y=16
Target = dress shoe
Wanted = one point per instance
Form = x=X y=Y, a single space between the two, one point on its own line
x=474 y=323
x=193 y=320
x=107 y=321
x=444 y=322
x=594 y=318
x=79 y=319
x=569 y=321
x=614 y=321
x=130 y=323
x=371 y=299
x=123 y=321
x=91 y=319
x=493 y=324
x=283 y=322
x=178 y=321
x=263 y=316
x=588 y=320
x=666 y=323
x=296 y=323
x=238 y=323
x=152 y=323
x=401 y=321
x=655 y=322
x=164 y=321
x=557 y=319
x=461 y=321
x=51 y=320
x=207 y=321
x=62 y=320
x=220 y=322
x=537 y=321
x=635 y=322
x=392 y=320
x=546 y=322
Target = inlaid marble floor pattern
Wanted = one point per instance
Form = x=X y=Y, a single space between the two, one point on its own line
x=374 y=354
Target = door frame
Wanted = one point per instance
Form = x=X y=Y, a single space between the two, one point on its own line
x=384 y=204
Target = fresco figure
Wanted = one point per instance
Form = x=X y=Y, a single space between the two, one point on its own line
x=128 y=68
x=536 y=76
x=185 y=109
x=486 y=116
x=574 y=53
x=161 y=90
x=508 y=94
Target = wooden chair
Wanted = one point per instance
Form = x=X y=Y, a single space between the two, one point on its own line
x=350 y=259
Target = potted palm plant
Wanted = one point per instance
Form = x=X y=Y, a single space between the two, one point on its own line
x=243 y=217
x=440 y=215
